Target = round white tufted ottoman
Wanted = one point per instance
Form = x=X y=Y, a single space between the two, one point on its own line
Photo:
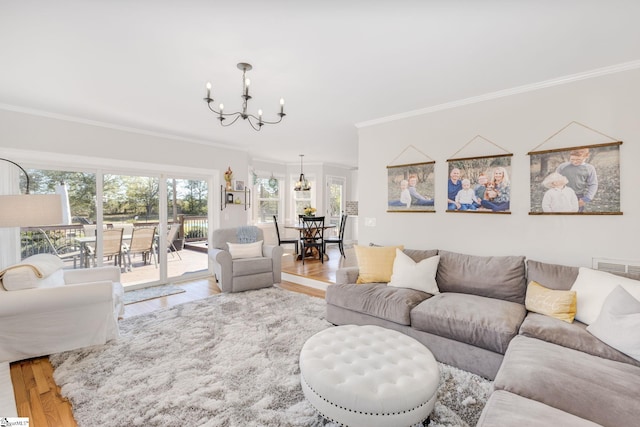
x=369 y=376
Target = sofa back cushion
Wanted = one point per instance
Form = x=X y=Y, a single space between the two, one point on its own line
x=552 y=276
x=501 y=277
x=419 y=254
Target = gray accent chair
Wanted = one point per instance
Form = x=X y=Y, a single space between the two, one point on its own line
x=237 y=275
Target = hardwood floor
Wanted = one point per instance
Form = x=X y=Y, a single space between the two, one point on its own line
x=37 y=395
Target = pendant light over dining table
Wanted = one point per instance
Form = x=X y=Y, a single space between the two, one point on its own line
x=302 y=184
x=256 y=122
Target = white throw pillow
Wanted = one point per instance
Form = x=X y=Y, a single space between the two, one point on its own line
x=619 y=322
x=592 y=289
x=245 y=250
x=420 y=276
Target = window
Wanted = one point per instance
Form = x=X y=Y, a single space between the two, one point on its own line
x=302 y=199
x=267 y=201
x=335 y=198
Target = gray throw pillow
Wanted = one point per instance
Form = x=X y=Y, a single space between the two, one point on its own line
x=619 y=322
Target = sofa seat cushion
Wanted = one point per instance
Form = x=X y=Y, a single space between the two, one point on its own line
x=508 y=409
x=572 y=335
x=376 y=299
x=249 y=266
x=501 y=277
x=487 y=323
x=600 y=390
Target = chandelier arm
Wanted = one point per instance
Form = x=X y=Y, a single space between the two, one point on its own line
x=266 y=122
x=211 y=108
x=273 y=123
x=249 y=116
x=232 y=121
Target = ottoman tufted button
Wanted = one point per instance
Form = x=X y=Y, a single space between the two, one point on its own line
x=375 y=377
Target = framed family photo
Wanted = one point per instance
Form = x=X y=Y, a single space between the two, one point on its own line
x=577 y=180
x=480 y=185
x=238 y=185
x=410 y=187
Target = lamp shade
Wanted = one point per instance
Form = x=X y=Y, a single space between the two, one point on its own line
x=25 y=210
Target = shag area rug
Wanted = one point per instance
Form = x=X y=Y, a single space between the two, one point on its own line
x=150 y=293
x=227 y=360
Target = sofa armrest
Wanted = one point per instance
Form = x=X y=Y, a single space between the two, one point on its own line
x=272 y=251
x=347 y=275
x=88 y=275
x=222 y=267
x=55 y=299
x=37 y=322
x=275 y=253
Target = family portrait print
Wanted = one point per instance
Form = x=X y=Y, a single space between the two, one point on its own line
x=578 y=180
x=410 y=188
x=479 y=185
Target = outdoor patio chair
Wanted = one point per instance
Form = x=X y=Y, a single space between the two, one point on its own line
x=112 y=245
x=142 y=242
x=64 y=252
x=171 y=236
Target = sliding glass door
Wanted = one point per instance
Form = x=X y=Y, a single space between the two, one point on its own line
x=155 y=227
x=186 y=230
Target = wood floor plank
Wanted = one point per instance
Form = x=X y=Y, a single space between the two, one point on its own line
x=37 y=411
x=41 y=381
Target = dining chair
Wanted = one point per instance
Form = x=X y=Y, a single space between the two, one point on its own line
x=284 y=241
x=312 y=236
x=142 y=242
x=340 y=238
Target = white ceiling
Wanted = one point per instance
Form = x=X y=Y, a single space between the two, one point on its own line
x=144 y=64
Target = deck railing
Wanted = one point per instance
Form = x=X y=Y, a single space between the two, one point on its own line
x=62 y=238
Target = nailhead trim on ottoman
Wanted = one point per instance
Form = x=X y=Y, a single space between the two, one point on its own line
x=369 y=376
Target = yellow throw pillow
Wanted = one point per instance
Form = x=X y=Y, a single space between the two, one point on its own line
x=558 y=304
x=375 y=263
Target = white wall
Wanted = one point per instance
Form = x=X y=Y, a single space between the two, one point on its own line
x=519 y=123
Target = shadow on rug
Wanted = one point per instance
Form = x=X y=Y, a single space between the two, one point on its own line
x=227 y=360
x=152 y=292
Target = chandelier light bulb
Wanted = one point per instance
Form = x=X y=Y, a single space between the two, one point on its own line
x=208 y=89
x=260 y=113
x=221 y=108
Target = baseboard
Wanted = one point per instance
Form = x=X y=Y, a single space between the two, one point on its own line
x=305 y=281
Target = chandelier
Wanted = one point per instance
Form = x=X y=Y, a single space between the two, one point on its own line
x=302 y=184
x=255 y=122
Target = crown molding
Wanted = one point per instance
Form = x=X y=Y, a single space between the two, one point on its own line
x=626 y=66
x=73 y=119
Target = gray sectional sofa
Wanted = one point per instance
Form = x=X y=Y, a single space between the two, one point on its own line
x=545 y=371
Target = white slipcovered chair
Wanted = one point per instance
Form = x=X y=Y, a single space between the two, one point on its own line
x=45 y=309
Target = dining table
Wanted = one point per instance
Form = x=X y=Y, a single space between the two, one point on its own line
x=301 y=231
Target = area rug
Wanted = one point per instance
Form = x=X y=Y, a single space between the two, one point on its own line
x=150 y=293
x=227 y=360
